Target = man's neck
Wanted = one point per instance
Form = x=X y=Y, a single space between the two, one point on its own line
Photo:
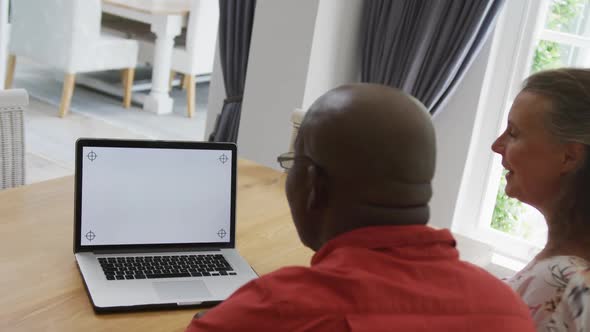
x=353 y=217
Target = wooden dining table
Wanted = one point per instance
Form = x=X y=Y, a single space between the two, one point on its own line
x=41 y=288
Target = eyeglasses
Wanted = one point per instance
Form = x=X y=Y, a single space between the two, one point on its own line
x=287 y=159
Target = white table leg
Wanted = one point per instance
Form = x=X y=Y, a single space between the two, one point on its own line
x=166 y=28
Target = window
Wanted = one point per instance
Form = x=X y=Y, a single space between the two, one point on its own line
x=562 y=42
x=531 y=35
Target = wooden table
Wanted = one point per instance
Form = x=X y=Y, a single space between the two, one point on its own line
x=166 y=19
x=40 y=285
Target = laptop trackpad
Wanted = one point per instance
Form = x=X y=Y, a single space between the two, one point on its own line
x=181 y=290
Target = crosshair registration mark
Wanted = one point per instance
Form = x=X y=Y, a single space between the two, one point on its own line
x=221 y=233
x=223 y=158
x=91 y=156
x=90 y=235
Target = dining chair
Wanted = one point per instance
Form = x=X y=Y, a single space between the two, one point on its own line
x=66 y=35
x=12 y=138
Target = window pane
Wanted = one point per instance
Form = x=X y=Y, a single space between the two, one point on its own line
x=516 y=218
x=570 y=16
x=507 y=211
x=549 y=55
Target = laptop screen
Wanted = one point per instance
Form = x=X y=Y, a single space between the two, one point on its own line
x=155 y=195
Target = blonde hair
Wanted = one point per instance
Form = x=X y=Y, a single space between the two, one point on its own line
x=569 y=92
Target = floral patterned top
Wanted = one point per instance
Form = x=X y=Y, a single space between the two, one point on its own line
x=557 y=292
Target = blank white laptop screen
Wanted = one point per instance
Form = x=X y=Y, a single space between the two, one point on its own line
x=155 y=196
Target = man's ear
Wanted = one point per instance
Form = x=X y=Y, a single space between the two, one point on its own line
x=318 y=188
x=575 y=155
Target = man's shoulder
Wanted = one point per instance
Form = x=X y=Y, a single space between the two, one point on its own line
x=481 y=284
x=289 y=274
x=290 y=285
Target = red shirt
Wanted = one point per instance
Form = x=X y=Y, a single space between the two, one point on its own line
x=402 y=278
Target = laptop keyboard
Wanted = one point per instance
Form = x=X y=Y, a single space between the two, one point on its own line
x=155 y=267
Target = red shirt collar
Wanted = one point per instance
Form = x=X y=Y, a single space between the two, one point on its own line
x=376 y=237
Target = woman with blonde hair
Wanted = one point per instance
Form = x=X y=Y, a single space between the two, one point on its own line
x=546 y=151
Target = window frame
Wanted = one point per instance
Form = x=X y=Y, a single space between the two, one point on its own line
x=519 y=28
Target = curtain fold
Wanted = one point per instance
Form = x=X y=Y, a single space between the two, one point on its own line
x=424 y=47
x=235 y=31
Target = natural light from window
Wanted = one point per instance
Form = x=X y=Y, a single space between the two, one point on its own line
x=564 y=41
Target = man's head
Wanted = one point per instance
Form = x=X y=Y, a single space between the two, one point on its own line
x=364 y=156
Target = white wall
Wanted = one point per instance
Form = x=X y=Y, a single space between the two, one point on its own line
x=216 y=95
x=277 y=74
x=335 y=53
x=454 y=126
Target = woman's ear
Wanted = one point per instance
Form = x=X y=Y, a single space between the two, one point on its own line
x=574 y=158
x=318 y=188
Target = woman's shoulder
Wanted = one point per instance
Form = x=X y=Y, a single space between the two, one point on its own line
x=547 y=276
x=577 y=298
x=555 y=289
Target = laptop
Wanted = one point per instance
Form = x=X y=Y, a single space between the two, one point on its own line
x=154 y=223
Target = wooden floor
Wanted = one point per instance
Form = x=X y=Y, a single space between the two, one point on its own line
x=50 y=140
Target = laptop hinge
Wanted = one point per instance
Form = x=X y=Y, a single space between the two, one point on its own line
x=152 y=250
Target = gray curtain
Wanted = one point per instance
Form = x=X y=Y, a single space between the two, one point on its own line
x=424 y=47
x=235 y=29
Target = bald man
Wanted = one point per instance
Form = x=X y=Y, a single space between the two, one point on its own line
x=359 y=189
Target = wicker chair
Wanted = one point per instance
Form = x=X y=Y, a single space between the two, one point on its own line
x=12 y=138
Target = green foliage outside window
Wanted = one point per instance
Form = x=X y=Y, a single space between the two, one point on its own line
x=548 y=55
x=507 y=210
x=562 y=17
x=562 y=14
